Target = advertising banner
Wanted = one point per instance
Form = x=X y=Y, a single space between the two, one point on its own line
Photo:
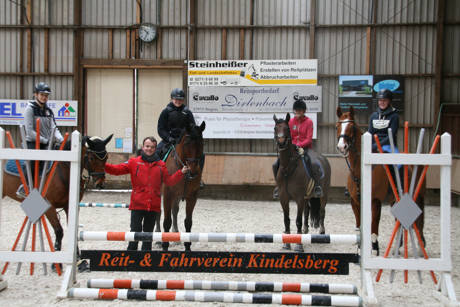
x=12 y=111
x=242 y=125
x=220 y=262
x=360 y=91
x=262 y=99
x=252 y=72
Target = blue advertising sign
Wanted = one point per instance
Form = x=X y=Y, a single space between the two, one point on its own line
x=12 y=111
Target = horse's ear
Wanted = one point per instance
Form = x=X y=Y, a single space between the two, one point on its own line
x=339 y=112
x=352 y=112
x=288 y=117
x=84 y=140
x=203 y=126
x=108 y=139
x=89 y=142
x=274 y=118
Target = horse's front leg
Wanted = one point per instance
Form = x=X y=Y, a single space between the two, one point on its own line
x=167 y=203
x=175 y=212
x=287 y=222
x=51 y=214
x=158 y=227
x=306 y=213
x=376 y=212
x=190 y=206
x=299 y=221
x=355 y=206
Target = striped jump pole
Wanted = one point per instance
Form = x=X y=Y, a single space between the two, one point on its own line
x=104 y=205
x=223 y=285
x=219 y=237
x=211 y=296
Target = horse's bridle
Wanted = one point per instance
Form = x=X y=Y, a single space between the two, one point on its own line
x=351 y=141
x=180 y=163
x=100 y=155
x=283 y=146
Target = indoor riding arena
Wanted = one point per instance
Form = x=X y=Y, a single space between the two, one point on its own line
x=300 y=152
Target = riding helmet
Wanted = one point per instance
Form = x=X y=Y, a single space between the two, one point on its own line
x=384 y=94
x=299 y=105
x=177 y=93
x=42 y=87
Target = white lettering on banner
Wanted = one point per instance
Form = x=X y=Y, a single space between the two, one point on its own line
x=12 y=111
x=242 y=125
x=268 y=99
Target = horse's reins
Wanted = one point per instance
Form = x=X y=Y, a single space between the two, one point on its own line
x=351 y=141
x=100 y=155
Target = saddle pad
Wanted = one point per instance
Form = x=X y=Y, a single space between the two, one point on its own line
x=10 y=167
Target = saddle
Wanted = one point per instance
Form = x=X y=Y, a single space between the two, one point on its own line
x=11 y=168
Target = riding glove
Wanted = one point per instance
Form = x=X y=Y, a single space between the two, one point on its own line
x=300 y=151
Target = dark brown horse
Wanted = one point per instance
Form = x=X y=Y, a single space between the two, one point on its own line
x=93 y=158
x=189 y=151
x=349 y=145
x=295 y=183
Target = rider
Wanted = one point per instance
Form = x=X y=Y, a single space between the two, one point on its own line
x=385 y=117
x=175 y=117
x=39 y=109
x=147 y=174
x=301 y=127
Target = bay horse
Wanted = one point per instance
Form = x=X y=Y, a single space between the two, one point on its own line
x=349 y=146
x=188 y=151
x=93 y=158
x=294 y=183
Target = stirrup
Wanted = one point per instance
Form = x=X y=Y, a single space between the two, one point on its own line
x=21 y=193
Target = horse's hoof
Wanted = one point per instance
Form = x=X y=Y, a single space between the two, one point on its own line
x=298 y=248
x=158 y=244
x=322 y=231
x=165 y=246
x=287 y=246
x=375 y=248
x=83 y=266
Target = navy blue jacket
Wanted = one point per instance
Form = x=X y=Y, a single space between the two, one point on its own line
x=379 y=123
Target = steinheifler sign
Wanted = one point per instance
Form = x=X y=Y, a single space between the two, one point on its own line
x=252 y=72
x=219 y=262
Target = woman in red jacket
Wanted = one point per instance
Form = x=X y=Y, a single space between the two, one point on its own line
x=147 y=172
x=301 y=127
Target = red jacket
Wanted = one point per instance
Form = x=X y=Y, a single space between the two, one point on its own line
x=146 y=180
x=301 y=131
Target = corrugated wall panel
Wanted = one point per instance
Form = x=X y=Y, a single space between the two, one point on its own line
x=451 y=90
x=452 y=11
x=341 y=51
x=174 y=44
x=209 y=44
x=108 y=12
x=281 y=44
x=343 y=12
x=62 y=12
x=9 y=50
x=9 y=12
x=451 y=61
x=61 y=87
x=402 y=11
x=61 y=51
x=119 y=44
x=279 y=12
x=9 y=87
x=405 y=50
x=233 y=44
x=95 y=43
x=174 y=12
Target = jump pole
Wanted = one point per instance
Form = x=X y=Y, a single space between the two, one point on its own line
x=211 y=296
x=255 y=286
x=219 y=237
x=103 y=205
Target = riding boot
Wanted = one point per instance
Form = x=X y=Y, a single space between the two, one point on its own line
x=317 y=190
x=275 y=168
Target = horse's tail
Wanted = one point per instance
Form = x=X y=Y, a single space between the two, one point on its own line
x=315 y=212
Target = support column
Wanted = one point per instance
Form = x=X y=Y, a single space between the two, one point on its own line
x=439 y=59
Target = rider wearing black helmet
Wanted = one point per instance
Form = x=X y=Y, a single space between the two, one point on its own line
x=38 y=108
x=175 y=117
x=385 y=117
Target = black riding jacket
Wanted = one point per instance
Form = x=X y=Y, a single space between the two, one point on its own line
x=379 y=123
x=172 y=120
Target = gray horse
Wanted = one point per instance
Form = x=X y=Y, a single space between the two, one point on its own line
x=294 y=183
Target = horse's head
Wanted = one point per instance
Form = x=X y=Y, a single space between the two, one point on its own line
x=347 y=131
x=193 y=147
x=94 y=157
x=282 y=132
